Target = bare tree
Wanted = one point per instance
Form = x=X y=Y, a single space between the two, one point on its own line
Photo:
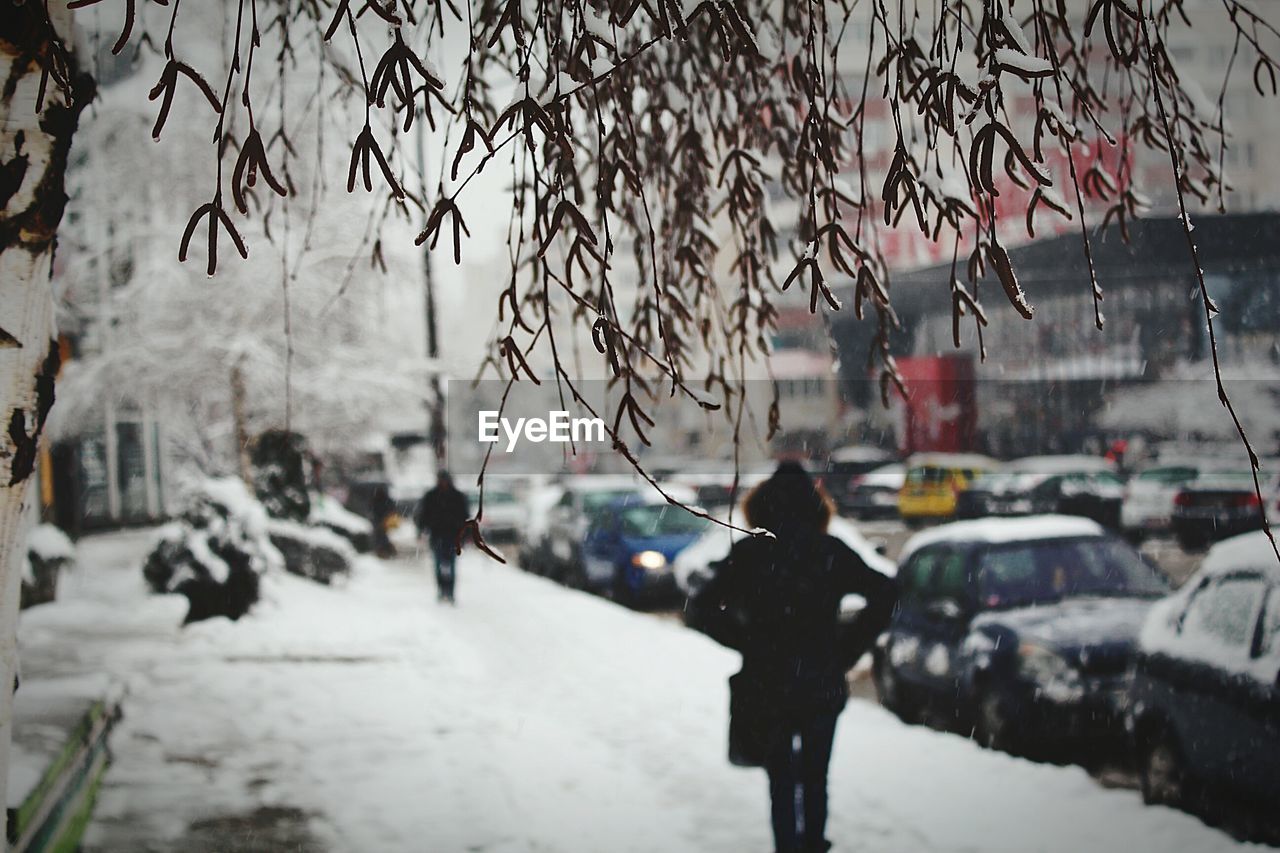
x=648 y=134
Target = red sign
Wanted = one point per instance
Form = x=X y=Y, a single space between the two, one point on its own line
x=939 y=413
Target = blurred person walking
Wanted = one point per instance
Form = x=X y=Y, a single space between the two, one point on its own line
x=382 y=514
x=441 y=514
x=777 y=601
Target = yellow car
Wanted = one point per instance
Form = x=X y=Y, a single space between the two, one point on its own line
x=934 y=480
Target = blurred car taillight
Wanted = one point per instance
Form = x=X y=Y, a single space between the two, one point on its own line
x=1182 y=499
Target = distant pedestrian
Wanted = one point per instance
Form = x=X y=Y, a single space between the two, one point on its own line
x=382 y=512
x=441 y=514
x=777 y=600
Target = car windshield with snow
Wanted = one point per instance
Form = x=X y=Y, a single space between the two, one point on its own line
x=1048 y=571
x=1019 y=630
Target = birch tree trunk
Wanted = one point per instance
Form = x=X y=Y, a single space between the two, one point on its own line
x=35 y=138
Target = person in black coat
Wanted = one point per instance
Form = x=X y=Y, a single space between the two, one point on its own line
x=777 y=601
x=381 y=509
x=441 y=514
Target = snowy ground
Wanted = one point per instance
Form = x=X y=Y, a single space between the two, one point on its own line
x=529 y=718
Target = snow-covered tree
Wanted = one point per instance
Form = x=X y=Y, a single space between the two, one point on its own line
x=669 y=123
x=302 y=335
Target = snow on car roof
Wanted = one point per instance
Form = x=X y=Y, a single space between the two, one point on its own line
x=602 y=482
x=887 y=475
x=1246 y=551
x=646 y=495
x=1197 y=462
x=952 y=460
x=1060 y=464
x=1001 y=530
x=716 y=541
x=859 y=453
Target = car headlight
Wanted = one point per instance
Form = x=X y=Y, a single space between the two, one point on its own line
x=649 y=560
x=1054 y=678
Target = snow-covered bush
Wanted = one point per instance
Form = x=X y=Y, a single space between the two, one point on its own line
x=215 y=553
x=49 y=551
x=313 y=552
x=327 y=512
x=279 y=474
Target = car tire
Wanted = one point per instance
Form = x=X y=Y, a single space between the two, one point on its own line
x=992 y=722
x=890 y=693
x=1192 y=544
x=619 y=593
x=576 y=576
x=1162 y=772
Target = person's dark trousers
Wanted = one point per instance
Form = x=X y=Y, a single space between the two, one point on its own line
x=381 y=541
x=446 y=556
x=797 y=768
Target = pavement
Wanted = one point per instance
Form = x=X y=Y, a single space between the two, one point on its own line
x=529 y=718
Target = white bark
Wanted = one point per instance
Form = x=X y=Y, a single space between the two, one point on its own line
x=28 y=222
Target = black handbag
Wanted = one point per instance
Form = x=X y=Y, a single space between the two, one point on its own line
x=755 y=722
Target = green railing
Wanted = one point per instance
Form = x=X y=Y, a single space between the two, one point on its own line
x=55 y=814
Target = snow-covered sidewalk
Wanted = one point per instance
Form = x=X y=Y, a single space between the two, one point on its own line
x=529 y=718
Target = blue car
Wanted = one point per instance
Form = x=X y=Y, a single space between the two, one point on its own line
x=629 y=549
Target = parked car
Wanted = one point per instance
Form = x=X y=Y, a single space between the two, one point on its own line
x=874 y=495
x=584 y=496
x=846 y=464
x=1222 y=503
x=1037 y=485
x=1147 y=508
x=1205 y=700
x=630 y=546
x=693 y=564
x=503 y=513
x=360 y=496
x=714 y=491
x=1019 y=629
x=531 y=538
x=934 y=480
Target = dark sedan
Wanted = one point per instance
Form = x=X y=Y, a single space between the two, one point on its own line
x=1205 y=710
x=1069 y=485
x=1021 y=630
x=874 y=495
x=1219 y=505
x=845 y=468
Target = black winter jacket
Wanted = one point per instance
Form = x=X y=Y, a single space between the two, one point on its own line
x=442 y=513
x=778 y=601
